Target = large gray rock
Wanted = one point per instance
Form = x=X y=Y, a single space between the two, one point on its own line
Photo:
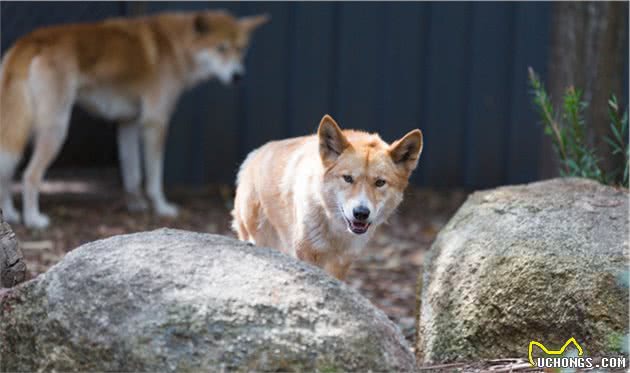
x=171 y=300
x=545 y=261
x=12 y=265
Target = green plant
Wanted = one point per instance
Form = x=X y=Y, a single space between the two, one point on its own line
x=568 y=133
x=619 y=141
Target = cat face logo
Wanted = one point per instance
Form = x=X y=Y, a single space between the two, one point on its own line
x=553 y=352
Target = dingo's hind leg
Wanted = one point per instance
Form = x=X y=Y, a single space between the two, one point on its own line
x=48 y=142
x=244 y=220
x=246 y=212
x=52 y=115
x=8 y=161
x=15 y=130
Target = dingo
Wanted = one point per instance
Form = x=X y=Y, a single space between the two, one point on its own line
x=319 y=198
x=131 y=70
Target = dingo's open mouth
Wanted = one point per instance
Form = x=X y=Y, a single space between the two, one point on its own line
x=357 y=227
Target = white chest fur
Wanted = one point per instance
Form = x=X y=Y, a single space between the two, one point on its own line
x=109 y=104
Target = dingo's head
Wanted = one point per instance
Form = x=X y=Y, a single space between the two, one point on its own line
x=364 y=177
x=219 y=44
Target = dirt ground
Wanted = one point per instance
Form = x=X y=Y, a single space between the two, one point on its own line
x=84 y=208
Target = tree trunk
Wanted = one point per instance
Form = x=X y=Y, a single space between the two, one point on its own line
x=588 y=49
x=12 y=265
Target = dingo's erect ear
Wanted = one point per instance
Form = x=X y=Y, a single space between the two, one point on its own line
x=332 y=141
x=251 y=23
x=406 y=151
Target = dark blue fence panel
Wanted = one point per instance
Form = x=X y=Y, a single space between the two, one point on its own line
x=489 y=91
x=458 y=71
x=361 y=67
x=312 y=74
x=404 y=59
x=531 y=30
x=266 y=85
x=446 y=93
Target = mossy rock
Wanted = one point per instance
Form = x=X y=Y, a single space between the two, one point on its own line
x=546 y=261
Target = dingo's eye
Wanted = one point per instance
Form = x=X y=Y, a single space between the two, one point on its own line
x=348 y=179
x=379 y=183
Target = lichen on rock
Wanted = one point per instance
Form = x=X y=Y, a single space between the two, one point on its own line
x=532 y=262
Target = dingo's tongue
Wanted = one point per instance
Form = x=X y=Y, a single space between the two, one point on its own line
x=358 y=227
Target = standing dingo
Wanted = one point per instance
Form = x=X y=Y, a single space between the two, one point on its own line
x=319 y=198
x=128 y=70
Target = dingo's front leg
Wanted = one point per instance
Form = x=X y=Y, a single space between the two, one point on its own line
x=333 y=263
x=154 y=138
x=337 y=267
x=129 y=154
x=307 y=253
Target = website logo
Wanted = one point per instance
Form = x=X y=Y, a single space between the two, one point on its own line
x=554 y=358
x=552 y=352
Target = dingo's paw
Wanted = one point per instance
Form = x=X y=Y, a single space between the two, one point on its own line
x=136 y=203
x=166 y=209
x=11 y=215
x=36 y=220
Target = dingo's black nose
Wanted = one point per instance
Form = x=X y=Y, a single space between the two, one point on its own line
x=236 y=77
x=361 y=213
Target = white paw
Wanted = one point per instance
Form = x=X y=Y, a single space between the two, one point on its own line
x=136 y=203
x=11 y=216
x=166 y=209
x=36 y=220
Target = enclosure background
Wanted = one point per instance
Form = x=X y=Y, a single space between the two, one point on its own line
x=458 y=71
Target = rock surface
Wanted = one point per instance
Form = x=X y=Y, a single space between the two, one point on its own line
x=12 y=265
x=545 y=261
x=171 y=300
